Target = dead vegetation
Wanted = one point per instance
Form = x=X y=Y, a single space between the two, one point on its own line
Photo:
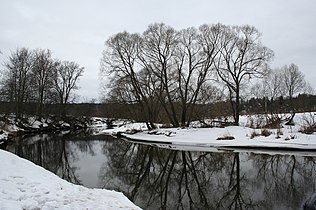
x=226 y=137
x=309 y=124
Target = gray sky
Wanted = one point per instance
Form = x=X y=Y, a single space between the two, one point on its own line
x=76 y=30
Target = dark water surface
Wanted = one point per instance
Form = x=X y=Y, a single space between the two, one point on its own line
x=156 y=178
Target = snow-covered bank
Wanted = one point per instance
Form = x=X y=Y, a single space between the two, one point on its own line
x=24 y=185
x=33 y=124
x=3 y=135
x=208 y=137
x=113 y=126
x=287 y=137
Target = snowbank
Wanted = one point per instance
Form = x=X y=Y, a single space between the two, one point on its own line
x=287 y=137
x=208 y=137
x=24 y=185
x=100 y=126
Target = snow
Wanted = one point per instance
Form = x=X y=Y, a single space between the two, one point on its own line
x=36 y=124
x=24 y=185
x=3 y=135
x=208 y=137
x=100 y=127
x=286 y=138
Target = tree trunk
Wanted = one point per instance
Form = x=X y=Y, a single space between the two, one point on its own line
x=237 y=108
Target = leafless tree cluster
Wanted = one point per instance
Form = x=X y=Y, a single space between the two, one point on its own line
x=33 y=76
x=278 y=90
x=170 y=71
x=286 y=81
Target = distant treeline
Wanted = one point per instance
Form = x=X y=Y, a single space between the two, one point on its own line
x=301 y=103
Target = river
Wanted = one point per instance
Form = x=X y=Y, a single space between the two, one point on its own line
x=161 y=178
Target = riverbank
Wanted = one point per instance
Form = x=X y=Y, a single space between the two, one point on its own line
x=11 y=126
x=25 y=185
x=34 y=124
x=243 y=137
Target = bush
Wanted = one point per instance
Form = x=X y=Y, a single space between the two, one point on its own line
x=226 y=138
x=254 y=134
x=265 y=132
x=309 y=124
x=257 y=121
x=278 y=133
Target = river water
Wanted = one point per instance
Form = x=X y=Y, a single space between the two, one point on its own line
x=157 y=178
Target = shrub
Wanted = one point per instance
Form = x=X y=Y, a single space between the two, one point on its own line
x=279 y=133
x=290 y=137
x=226 y=138
x=265 y=132
x=309 y=124
x=255 y=122
x=254 y=134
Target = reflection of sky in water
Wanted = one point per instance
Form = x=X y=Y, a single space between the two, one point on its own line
x=88 y=164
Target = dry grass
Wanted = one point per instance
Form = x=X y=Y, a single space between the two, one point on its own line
x=226 y=138
x=265 y=132
x=309 y=124
x=254 y=134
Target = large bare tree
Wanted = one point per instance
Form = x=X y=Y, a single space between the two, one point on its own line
x=119 y=65
x=159 y=44
x=44 y=68
x=195 y=57
x=242 y=57
x=17 y=78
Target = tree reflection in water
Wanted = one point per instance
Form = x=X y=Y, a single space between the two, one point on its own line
x=156 y=178
x=54 y=152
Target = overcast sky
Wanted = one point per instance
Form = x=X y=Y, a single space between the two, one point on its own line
x=76 y=30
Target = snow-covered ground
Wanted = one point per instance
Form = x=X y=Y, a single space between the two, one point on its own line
x=24 y=185
x=99 y=126
x=287 y=137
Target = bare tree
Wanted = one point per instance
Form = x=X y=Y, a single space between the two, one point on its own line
x=269 y=88
x=158 y=50
x=66 y=77
x=43 y=72
x=196 y=53
x=242 y=57
x=119 y=64
x=16 y=78
x=293 y=81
